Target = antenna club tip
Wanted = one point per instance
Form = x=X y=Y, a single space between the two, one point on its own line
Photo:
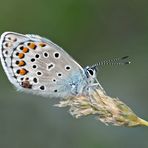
x=128 y=62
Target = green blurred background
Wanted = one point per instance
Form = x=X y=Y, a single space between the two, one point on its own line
x=89 y=30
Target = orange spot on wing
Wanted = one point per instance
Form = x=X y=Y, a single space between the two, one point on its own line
x=42 y=44
x=21 y=55
x=25 y=49
x=32 y=45
x=21 y=63
x=22 y=71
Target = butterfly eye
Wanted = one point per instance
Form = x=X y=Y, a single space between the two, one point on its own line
x=91 y=72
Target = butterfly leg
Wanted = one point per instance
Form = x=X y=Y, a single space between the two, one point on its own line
x=99 y=85
x=90 y=97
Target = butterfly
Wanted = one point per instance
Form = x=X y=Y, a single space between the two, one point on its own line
x=35 y=64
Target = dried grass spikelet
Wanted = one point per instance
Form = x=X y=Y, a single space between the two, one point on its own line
x=108 y=110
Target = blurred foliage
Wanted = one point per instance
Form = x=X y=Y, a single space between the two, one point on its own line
x=89 y=30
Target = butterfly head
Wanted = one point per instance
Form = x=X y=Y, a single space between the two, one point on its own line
x=90 y=72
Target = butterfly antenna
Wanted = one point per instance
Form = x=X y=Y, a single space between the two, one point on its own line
x=112 y=62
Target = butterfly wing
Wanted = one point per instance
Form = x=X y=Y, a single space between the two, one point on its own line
x=37 y=65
